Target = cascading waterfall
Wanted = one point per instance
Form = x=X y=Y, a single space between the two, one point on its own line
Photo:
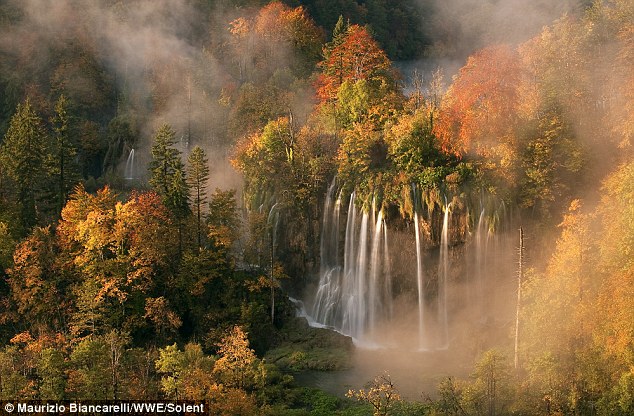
x=356 y=298
x=328 y=291
x=420 y=285
x=129 y=171
x=443 y=271
x=375 y=271
x=480 y=261
x=355 y=291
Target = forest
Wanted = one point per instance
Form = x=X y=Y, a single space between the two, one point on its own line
x=181 y=179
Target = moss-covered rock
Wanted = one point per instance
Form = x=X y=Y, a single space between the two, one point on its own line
x=307 y=348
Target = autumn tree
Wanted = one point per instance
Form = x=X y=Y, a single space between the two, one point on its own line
x=381 y=394
x=357 y=57
x=237 y=365
x=280 y=27
x=478 y=115
x=223 y=221
x=267 y=160
x=120 y=250
x=162 y=317
x=37 y=285
x=277 y=38
x=185 y=374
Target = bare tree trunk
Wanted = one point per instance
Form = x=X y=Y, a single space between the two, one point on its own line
x=520 y=273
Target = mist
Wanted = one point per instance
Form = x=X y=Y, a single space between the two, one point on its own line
x=460 y=27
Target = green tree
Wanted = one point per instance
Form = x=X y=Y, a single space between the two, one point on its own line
x=22 y=154
x=165 y=160
x=88 y=374
x=13 y=380
x=7 y=246
x=489 y=392
x=64 y=154
x=51 y=369
x=186 y=374
x=197 y=177
x=117 y=341
x=168 y=177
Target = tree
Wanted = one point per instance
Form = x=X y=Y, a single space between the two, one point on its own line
x=37 y=288
x=197 y=177
x=117 y=342
x=7 y=246
x=13 y=381
x=51 y=369
x=120 y=251
x=186 y=374
x=158 y=311
x=478 y=114
x=356 y=57
x=89 y=376
x=22 y=154
x=223 y=219
x=64 y=152
x=237 y=364
x=165 y=160
x=168 y=177
x=381 y=393
x=267 y=161
x=489 y=392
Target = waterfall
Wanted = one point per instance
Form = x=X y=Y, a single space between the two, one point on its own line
x=387 y=283
x=443 y=270
x=129 y=171
x=480 y=253
x=375 y=271
x=420 y=285
x=357 y=297
x=328 y=291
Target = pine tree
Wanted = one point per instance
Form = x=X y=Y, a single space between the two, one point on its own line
x=164 y=157
x=64 y=164
x=197 y=177
x=168 y=177
x=22 y=156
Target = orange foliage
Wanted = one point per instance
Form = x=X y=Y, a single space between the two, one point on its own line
x=357 y=57
x=478 y=113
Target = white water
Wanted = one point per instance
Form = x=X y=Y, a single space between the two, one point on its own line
x=443 y=275
x=356 y=294
x=129 y=171
x=356 y=297
x=420 y=285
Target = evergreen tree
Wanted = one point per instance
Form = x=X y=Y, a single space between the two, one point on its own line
x=197 y=177
x=22 y=155
x=168 y=177
x=164 y=160
x=64 y=164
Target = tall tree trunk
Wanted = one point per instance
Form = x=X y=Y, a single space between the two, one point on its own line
x=520 y=273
